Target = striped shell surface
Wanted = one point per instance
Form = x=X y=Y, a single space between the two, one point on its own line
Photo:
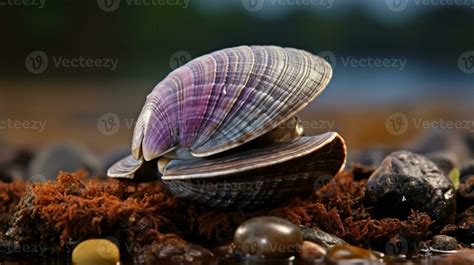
x=227 y=98
x=258 y=177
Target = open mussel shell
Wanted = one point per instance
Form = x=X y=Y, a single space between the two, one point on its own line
x=224 y=99
x=257 y=177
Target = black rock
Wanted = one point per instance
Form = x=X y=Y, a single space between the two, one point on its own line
x=406 y=181
x=321 y=238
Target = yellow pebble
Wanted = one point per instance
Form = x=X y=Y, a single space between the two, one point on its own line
x=96 y=252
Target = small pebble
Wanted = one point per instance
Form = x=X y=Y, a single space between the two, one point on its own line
x=310 y=251
x=442 y=242
x=268 y=237
x=96 y=252
x=321 y=238
x=348 y=252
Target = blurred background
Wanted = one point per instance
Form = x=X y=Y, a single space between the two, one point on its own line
x=80 y=70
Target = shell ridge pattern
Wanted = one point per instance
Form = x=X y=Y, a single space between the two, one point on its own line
x=158 y=134
x=209 y=119
x=221 y=105
x=243 y=67
x=231 y=122
x=196 y=98
x=252 y=110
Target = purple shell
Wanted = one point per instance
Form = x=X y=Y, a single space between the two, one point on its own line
x=227 y=98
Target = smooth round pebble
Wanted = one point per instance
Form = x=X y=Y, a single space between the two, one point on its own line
x=268 y=237
x=310 y=251
x=96 y=252
x=348 y=252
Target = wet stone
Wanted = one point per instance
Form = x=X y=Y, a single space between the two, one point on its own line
x=268 y=237
x=442 y=242
x=311 y=251
x=321 y=238
x=406 y=181
x=348 y=252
